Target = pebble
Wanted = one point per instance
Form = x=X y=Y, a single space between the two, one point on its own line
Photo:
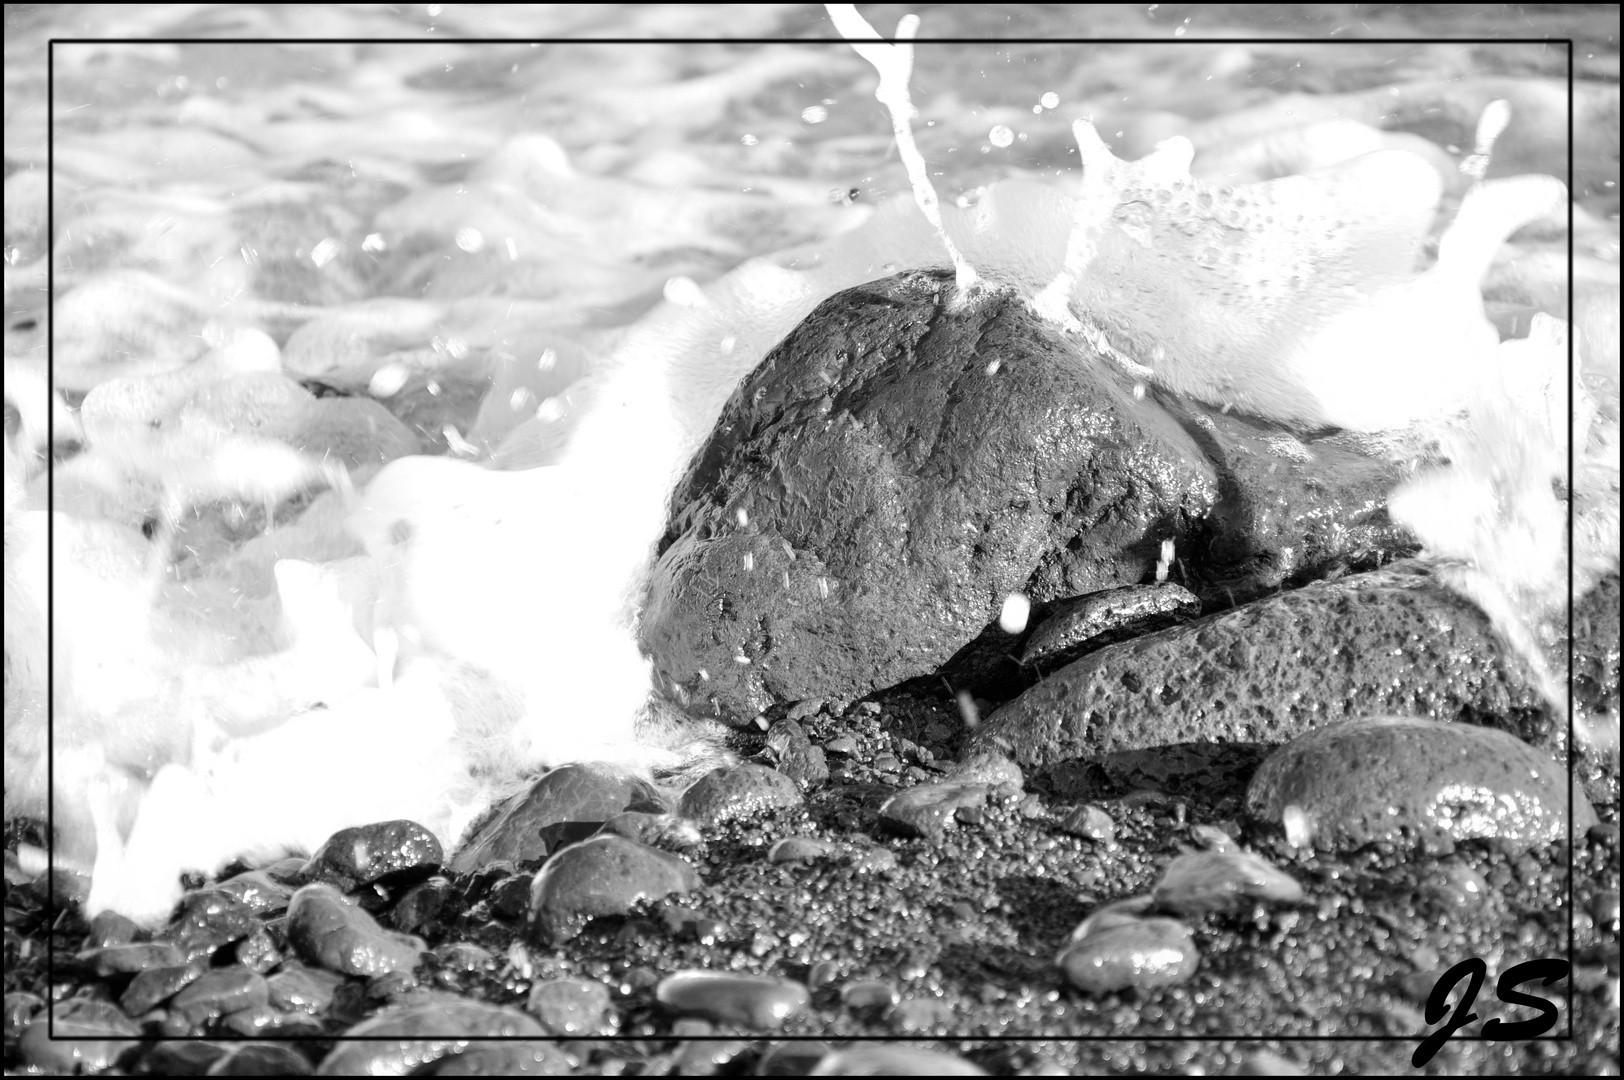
x=125 y=959
x=574 y=1008
x=791 y=1058
x=1107 y=615
x=604 y=875
x=916 y=1015
x=399 y=850
x=110 y=928
x=704 y=1056
x=794 y=755
x=326 y=930
x=208 y=919
x=872 y=860
x=929 y=810
x=155 y=986
x=800 y=849
x=297 y=988
x=21 y=1008
x=511 y=1057
x=739 y=792
x=1204 y=881
x=879 y=1059
x=90 y=1036
x=841 y=744
x=1141 y=953
x=220 y=992
x=510 y=897
x=406 y=1039
x=754 y=1001
x=1406 y=780
x=1089 y=822
x=258 y=891
x=1212 y=838
x=261 y=1059
x=418 y=911
x=868 y=995
x=672 y=832
x=578 y=794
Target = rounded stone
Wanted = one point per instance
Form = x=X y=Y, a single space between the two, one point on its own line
x=754 y=1001
x=405 y=1039
x=800 y=849
x=1206 y=881
x=574 y=1008
x=328 y=931
x=567 y=804
x=1411 y=781
x=1142 y=953
x=878 y=1059
x=742 y=791
x=354 y=857
x=604 y=875
x=89 y=1036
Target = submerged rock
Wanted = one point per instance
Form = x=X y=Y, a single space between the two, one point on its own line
x=1389 y=641
x=1408 y=780
x=894 y=469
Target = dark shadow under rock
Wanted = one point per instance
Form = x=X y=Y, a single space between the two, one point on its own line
x=894 y=469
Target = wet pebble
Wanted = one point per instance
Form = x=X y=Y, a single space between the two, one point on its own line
x=418 y=910
x=878 y=1059
x=326 y=930
x=21 y=1008
x=1407 y=780
x=258 y=891
x=208 y=919
x=89 y=1036
x=261 y=1059
x=258 y=951
x=110 y=928
x=586 y=795
x=155 y=986
x=703 y=1056
x=797 y=1058
x=754 y=1001
x=794 y=755
x=1089 y=822
x=1140 y=953
x=841 y=744
x=406 y=1039
x=1105 y=616
x=1222 y=881
x=929 y=810
x=738 y=792
x=800 y=849
x=399 y=850
x=575 y=1008
x=605 y=875
x=1212 y=838
x=125 y=959
x=868 y=995
x=297 y=988
x=217 y=993
x=672 y=832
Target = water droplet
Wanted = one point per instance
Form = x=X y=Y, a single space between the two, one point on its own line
x=324 y=252
x=521 y=399
x=749 y=140
x=1051 y=100
x=374 y=242
x=1000 y=136
x=814 y=114
x=1017 y=608
x=727 y=343
x=743 y=517
x=749 y=562
x=547 y=360
x=470 y=239
x=388 y=380
x=684 y=292
x=992 y=368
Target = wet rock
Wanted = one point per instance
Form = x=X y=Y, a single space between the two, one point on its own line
x=1104 y=617
x=896 y=486
x=800 y=849
x=89 y=1036
x=738 y=792
x=988 y=767
x=258 y=891
x=1407 y=780
x=868 y=995
x=183 y=1058
x=516 y=1057
x=328 y=931
x=791 y=1058
x=510 y=897
x=1140 y=953
x=1389 y=641
x=1212 y=838
x=794 y=755
x=574 y=1008
x=669 y=831
x=878 y=1059
x=403 y=1039
x=297 y=988
x=1206 y=881
x=398 y=850
x=155 y=986
x=753 y=1001
x=220 y=992
x=208 y=919
x=582 y=796
x=261 y=1059
x=21 y=1008
x=929 y=810
x=604 y=875
x=110 y=928
x=1089 y=822
x=258 y=951
x=124 y=959
x=418 y=911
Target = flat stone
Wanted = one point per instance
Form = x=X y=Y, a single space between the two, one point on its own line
x=1089 y=822
x=399 y=850
x=800 y=849
x=154 y=986
x=929 y=810
x=403 y=1039
x=584 y=796
x=1392 y=640
x=753 y=1001
x=1408 y=780
x=90 y=1036
x=1206 y=881
x=1141 y=953
x=738 y=792
x=1106 y=616
x=604 y=875
x=330 y=932
x=125 y=959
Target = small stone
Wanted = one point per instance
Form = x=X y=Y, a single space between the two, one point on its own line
x=155 y=986
x=791 y=1058
x=794 y=755
x=511 y=1057
x=989 y=767
x=261 y=1059
x=1222 y=881
x=741 y=791
x=1090 y=822
x=510 y=897
x=581 y=794
x=124 y=959
x=326 y=930
x=258 y=891
x=398 y=850
x=110 y=928
x=220 y=993
x=873 y=860
x=1141 y=953
x=89 y=1036
x=1411 y=781
x=800 y=849
x=752 y=1001
x=300 y=989
x=258 y=951
x=208 y=919
x=868 y=995
x=669 y=832
x=841 y=744
x=418 y=911
x=407 y=1039
x=928 y=810
x=573 y=1008
x=705 y=1056
x=1213 y=839
x=879 y=1059
x=604 y=875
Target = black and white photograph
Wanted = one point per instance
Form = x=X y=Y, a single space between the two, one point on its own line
x=812 y=540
